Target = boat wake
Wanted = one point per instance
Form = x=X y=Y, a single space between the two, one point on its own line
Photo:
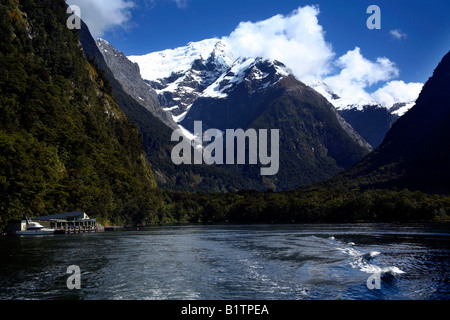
x=366 y=262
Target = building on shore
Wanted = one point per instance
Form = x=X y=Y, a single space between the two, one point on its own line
x=69 y=222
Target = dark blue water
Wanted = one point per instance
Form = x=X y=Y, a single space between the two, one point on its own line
x=259 y=262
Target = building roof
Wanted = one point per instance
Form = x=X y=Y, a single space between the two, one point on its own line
x=76 y=215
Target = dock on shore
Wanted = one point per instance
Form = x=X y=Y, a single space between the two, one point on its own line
x=64 y=223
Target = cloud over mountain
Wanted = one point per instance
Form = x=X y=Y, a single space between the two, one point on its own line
x=397 y=90
x=298 y=40
x=357 y=73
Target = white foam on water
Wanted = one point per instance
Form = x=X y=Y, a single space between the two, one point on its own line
x=363 y=261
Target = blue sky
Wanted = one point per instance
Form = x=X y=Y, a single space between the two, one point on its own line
x=414 y=35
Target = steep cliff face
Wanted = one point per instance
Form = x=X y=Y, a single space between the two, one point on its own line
x=415 y=153
x=129 y=76
x=64 y=143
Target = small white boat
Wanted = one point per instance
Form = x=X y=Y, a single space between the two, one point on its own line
x=35 y=229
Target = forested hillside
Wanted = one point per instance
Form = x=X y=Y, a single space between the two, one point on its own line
x=64 y=143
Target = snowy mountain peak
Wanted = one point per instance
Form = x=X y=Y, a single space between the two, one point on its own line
x=401 y=108
x=324 y=90
x=208 y=69
x=204 y=69
x=162 y=64
x=357 y=102
x=255 y=74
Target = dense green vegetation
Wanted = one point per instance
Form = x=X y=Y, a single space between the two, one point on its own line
x=64 y=143
x=313 y=205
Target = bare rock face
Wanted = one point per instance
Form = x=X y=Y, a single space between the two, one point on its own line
x=129 y=76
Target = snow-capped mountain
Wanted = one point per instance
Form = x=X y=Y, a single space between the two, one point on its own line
x=342 y=103
x=202 y=69
x=161 y=65
x=258 y=73
x=400 y=108
x=176 y=78
x=208 y=69
x=203 y=81
x=230 y=101
x=315 y=142
x=181 y=75
x=189 y=80
x=358 y=103
x=368 y=117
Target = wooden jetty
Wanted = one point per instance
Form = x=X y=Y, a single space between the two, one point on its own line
x=64 y=223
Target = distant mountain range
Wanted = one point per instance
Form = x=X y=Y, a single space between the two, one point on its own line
x=203 y=82
x=180 y=76
x=415 y=153
x=368 y=117
x=348 y=103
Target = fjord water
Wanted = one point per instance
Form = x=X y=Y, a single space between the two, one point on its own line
x=233 y=262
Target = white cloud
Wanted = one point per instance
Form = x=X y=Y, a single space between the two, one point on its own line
x=297 y=40
x=397 y=91
x=398 y=34
x=358 y=73
x=102 y=15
